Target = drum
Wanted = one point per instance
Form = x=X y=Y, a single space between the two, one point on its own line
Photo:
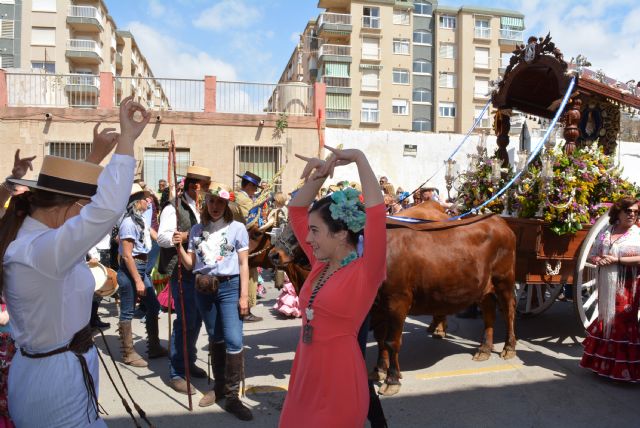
x=106 y=283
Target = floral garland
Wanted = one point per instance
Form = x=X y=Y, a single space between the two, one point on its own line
x=347 y=206
x=583 y=187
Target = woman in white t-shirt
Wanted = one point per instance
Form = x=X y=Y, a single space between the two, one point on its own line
x=218 y=254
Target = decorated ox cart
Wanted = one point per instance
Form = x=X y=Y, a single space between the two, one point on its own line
x=557 y=201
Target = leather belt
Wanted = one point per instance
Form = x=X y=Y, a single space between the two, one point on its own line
x=141 y=257
x=223 y=278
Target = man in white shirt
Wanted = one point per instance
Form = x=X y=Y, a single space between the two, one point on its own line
x=188 y=215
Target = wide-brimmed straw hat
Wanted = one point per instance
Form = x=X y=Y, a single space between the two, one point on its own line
x=219 y=190
x=65 y=176
x=199 y=173
x=137 y=190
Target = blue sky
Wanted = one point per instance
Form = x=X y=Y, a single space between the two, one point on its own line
x=252 y=40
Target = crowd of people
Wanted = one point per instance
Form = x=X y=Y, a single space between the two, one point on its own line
x=77 y=215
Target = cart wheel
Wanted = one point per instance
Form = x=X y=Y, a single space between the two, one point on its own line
x=585 y=290
x=534 y=299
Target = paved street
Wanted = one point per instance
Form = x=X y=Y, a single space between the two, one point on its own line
x=442 y=386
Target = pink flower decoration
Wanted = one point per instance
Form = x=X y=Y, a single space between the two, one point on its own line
x=224 y=194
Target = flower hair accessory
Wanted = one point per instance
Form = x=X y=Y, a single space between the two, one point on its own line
x=347 y=207
x=220 y=193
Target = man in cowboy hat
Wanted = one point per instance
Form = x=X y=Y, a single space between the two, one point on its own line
x=198 y=179
x=245 y=198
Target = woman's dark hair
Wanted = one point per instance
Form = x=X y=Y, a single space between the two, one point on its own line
x=205 y=218
x=322 y=208
x=619 y=206
x=19 y=208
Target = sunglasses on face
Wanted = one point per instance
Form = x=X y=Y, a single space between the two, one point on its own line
x=631 y=211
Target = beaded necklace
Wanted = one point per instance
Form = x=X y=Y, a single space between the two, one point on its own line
x=307 y=330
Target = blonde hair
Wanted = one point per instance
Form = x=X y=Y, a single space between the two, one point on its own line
x=279 y=198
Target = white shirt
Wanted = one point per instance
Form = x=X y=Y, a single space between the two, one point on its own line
x=169 y=222
x=48 y=286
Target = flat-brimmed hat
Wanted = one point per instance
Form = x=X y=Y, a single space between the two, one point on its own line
x=199 y=173
x=137 y=189
x=65 y=176
x=251 y=177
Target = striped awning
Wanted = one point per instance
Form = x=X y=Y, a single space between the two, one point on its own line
x=511 y=22
x=371 y=66
x=338 y=101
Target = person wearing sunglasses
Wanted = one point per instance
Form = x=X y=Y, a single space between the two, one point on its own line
x=612 y=343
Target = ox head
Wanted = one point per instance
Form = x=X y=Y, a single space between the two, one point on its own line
x=286 y=249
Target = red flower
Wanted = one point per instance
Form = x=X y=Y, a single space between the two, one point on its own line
x=361 y=197
x=232 y=196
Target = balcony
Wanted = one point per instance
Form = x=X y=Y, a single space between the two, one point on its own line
x=335 y=53
x=337 y=85
x=334 y=23
x=482 y=33
x=85 y=18
x=510 y=37
x=82 y=83
x=338 y=117
x=114 y=43
x=118 y=59
x=84 y=51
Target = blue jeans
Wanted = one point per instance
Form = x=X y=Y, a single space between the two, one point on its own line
x=193 y=322
x=152 y=257
x=127 y=290
x=221 y=315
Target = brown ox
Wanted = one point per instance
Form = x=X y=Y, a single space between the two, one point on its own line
x=438 y=271
x=259 y=246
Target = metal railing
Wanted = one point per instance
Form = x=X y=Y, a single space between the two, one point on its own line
x=482 y=33
x=338 y=50
x=511 y=34
x=85 y=12
x=370 y=116
x=295 y=99
x=52 y=90
x=83 y=46
x=163 y=94
x=340 y=82
x=334 y=18
x=338 y=114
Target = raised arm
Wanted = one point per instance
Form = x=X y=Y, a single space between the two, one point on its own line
x=313 y=181
x=20 y=168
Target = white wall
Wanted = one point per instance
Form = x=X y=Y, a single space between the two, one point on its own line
x=384 y=149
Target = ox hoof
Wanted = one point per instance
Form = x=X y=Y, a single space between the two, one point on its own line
x=507 y=354
x=439 y=334
x=388 y=390
x=378 y=375
x=481 y=356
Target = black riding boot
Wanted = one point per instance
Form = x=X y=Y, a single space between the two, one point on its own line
x=234 y=374
x=218 y=355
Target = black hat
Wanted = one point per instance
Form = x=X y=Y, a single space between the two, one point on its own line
x=251 y=178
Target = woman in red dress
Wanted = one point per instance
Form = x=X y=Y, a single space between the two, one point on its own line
x=612 y=346
x=328 y=385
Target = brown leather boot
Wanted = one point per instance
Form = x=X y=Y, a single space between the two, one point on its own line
x=234 y=374
x=218 y=355
x=154 y=349
x=129 y=355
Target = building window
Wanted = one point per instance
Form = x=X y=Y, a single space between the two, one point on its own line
x=485 y=122
x=264 y=161
x=371 y=17
x=6 y=61
x=401 y=46
x=370 y=112
x=43 y=36
x=421 y=125
x=400 y=107
x=448 y=21
x=481 y=58
x=505 y=58
x=511 y=28
x=447 y=80
x=422 y=66
x=401 y=17
x=155 y=164
x=483 y=29
x=421 y=95
x=447 y=109
x=6 y=28
x=370 y=80
x=401 y=76
x=43 y=5
x=447 y=50
x=422 y=37
x=422 y=8
x=370 y=48
x=69 y=150
x=481 y=88
x=46 y=67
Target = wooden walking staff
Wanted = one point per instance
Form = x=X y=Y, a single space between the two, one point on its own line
x=169 y=183
x=179 y=267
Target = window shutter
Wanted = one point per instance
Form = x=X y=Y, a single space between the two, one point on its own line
x=6 y=28
x=370 y=47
